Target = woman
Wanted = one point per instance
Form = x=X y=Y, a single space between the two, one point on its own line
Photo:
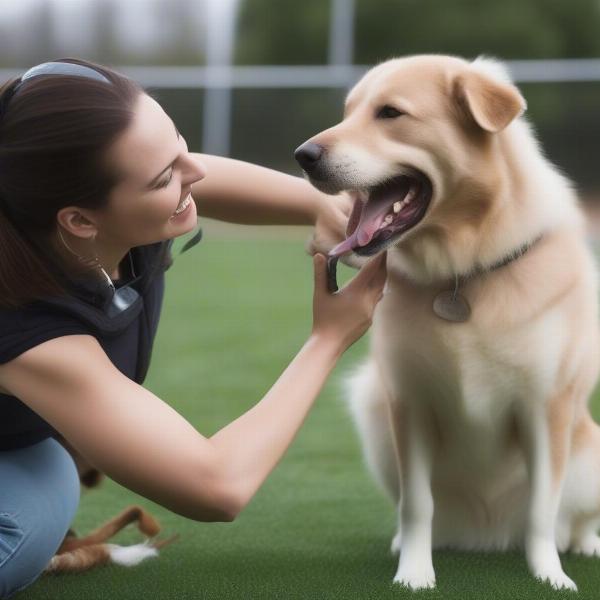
x=95 y=181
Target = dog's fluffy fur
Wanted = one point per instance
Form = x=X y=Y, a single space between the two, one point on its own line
x=479 y=431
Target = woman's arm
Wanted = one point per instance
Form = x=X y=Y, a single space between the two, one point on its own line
x=269 y=427
x=138 y=440
x=240 y=192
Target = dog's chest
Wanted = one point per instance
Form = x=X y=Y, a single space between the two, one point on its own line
x=471 y=374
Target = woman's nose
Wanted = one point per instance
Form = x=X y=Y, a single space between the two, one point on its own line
x=194 y=170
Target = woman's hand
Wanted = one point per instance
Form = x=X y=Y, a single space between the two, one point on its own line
x=343 y=317
x=330 y=217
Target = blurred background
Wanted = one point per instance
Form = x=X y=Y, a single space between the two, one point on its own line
x=254 y=78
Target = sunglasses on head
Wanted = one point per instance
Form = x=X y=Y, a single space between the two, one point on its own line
x=50 y=68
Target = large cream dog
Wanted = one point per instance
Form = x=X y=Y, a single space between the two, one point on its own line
x=472 y=407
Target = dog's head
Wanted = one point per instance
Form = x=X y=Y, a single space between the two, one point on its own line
x=415 y=140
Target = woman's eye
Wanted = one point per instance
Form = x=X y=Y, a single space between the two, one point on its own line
x=166 y=182
x=389 y=112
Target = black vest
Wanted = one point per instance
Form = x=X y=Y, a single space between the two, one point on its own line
x=126 y=336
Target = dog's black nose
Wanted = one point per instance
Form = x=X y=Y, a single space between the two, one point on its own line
x=308 y=155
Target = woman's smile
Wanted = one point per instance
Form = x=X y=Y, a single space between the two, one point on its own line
x=183 y=207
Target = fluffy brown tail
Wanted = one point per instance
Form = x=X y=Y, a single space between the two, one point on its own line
x=80 y=559
x=78 y=554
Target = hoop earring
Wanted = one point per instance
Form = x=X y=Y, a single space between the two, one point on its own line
x=90 y=263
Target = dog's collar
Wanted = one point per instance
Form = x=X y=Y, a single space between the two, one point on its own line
x=452 y=306
x=508 y=258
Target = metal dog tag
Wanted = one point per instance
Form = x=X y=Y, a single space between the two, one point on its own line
x=451 y=306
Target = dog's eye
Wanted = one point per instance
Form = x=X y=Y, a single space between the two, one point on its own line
x=389 y=112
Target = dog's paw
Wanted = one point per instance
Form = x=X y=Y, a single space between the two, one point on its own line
x=418 y=577
x=588 y=546
x=396 y=545
x=559 y=581
x=544 y=563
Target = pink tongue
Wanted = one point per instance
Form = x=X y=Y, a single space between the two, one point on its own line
x=346 y=246
x=370 y=219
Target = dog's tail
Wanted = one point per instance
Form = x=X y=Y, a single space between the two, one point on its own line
x=94 y=555
x=79 y=559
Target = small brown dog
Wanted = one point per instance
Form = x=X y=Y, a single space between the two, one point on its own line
x=80 y=554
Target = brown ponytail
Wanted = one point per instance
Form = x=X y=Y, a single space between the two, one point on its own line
x=23 y=275
x=54 y=133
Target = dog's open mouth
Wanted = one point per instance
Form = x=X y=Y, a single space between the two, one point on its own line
x=381 y=214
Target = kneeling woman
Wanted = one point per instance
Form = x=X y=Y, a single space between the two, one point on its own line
x=95 y=182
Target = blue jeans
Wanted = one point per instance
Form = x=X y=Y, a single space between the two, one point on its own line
x=39 y=495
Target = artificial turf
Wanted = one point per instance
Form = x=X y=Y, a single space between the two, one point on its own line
x=236 y=311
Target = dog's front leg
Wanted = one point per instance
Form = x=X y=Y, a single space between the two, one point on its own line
x=545 y=436
x=415 y=441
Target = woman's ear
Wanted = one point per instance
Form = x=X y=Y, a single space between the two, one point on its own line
x=73 y=220
x=492 y=104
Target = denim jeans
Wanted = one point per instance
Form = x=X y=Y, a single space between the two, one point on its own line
x=39 y=495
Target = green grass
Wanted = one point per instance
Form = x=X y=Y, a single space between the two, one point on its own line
x=236 y=311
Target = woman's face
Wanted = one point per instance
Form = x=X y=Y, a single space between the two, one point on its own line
x=152 y=201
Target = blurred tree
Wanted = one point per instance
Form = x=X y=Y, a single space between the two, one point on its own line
x=289 y=32
x=282 y=32
x=511 y=29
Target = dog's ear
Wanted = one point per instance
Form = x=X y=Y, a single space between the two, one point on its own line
x=492 y=104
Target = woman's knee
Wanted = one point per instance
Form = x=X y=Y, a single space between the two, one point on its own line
x=64 y=503
x=45 y=494
x=17 y=569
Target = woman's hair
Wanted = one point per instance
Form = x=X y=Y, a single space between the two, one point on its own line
x=54 y=134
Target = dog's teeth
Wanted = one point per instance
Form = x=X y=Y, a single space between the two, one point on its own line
x=410 y=196
x=388 y=219
x=397 y=206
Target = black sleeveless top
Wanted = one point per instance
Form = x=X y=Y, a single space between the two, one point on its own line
x=126 y=338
